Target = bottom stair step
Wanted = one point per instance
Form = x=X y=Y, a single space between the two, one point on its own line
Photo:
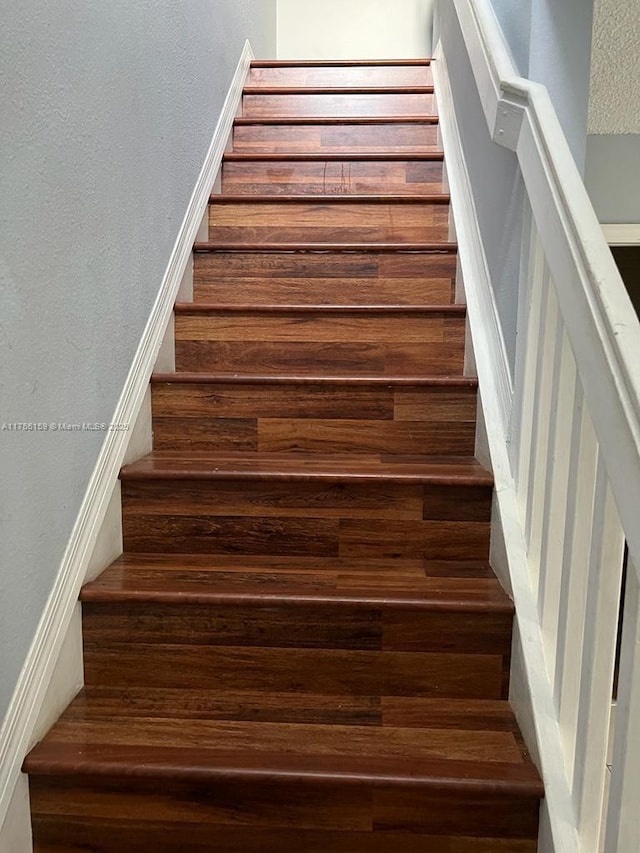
x=216 y=785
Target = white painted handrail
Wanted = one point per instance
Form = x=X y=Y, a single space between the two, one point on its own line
x=565 y=448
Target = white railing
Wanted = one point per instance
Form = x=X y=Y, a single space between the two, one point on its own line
x=565 y=448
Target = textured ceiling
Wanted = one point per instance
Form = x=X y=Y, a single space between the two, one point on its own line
x=615 y=68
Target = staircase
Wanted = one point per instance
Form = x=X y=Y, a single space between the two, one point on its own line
x=303 y=646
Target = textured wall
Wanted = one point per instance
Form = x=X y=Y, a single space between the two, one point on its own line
x=615 y=68
x=106 y=114
x=354 y=29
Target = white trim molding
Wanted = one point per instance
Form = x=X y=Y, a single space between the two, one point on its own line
x=566 y=461
x=622 y=234
x=473 y=262
x=28 y=706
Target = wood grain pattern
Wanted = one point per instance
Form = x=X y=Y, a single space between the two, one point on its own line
x=333 y=177
x=303 y=646
x=412 y=326
x=196 y=412
x=410 y=138
x=315 y=278
x=318 y=222
x=72 y=836
x=335 y=106
x=307 y=358
x=327 y=671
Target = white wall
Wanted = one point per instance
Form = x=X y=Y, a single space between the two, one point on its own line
x=354 y=29
x=106 y=114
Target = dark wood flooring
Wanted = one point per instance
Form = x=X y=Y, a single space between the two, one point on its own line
x=303 y=645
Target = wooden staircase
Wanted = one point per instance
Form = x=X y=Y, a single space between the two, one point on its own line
x=303 y=646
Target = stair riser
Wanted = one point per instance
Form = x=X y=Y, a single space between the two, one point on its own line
x=407 y=138
x=336 y=418
x=324 y=278
x=311 y=343
x=343 y=222
x=341 y=76
x=273 y=625
x=329 y=672
x=335 y=177
x=307 y=518
x=336 y=106
x=71 y=836
x=246 y=816
x=346 y=652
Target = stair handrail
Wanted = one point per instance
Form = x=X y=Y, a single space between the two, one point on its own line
x=578 y=359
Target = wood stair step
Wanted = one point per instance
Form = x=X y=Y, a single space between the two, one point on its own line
x=346 y=177
x=380 y=613
x=294 y=504
x=341 y=414
x=284 y=782
x=324 y=278
x=332 y=219
x=299 y=581
x=233 y=571
x=288 y=467
x=338 y=106
x=304 y=339
x=408 y=138
x=340 y=75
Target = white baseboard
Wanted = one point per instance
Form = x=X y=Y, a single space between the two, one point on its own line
x=15 y=831
x=96 y=537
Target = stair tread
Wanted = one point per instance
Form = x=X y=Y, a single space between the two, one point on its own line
x=426 y=118
x=193 y=377
x=261 y=706
x=364 y=155
x=88 y=742
x=309 y=199
x=455 y=310
x=269 y=566
x=337 y=63
x=199 y=579
x=313 y=246
x=271 y=89
x=448 y=470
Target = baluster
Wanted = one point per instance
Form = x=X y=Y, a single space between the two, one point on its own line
x=594 y=658
x=623 y=818
x=554 y=508
x=538 y=283
x=528 y=337
x=539 y=461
